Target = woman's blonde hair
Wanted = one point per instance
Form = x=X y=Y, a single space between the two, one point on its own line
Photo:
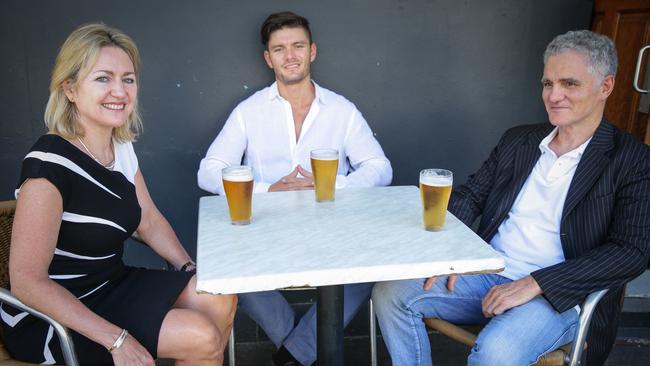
x=74 y=61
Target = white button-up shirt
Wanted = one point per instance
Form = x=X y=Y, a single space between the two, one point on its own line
x=262 y=131
x=529 y=238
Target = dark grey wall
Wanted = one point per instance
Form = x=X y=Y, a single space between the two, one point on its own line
x=438 y=80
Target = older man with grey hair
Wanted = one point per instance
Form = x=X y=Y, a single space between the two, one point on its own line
x=567 y=204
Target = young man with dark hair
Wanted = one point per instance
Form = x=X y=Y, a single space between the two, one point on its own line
x=274 y=131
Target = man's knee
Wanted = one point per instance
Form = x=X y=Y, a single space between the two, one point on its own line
x=502 y=350
x=383 y=295
x=391 y=295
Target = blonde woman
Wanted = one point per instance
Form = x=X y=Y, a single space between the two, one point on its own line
x=80 y=195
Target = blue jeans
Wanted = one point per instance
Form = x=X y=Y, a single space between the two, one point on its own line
x=520 y=336
x=271 y=311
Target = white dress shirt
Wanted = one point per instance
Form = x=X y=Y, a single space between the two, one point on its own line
x=529 y=238
x=262 y=131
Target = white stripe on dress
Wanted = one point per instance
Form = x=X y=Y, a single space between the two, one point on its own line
x=93 y=290
x=83 y=219
x=11 y=320
x=63 y=253
x=65 y=277
x=47 y=354
x=58 y=159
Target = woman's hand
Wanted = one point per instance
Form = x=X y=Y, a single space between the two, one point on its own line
x=131 y=352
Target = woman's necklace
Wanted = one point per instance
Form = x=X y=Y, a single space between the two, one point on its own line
x=108 y=166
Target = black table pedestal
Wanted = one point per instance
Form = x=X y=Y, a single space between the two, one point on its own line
x=330 y=325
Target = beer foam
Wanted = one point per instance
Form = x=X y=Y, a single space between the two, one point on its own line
x=325 y=154
x=237 y=174
x=436 y=181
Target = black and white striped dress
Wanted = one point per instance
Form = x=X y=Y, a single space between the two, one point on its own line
x=100 y=211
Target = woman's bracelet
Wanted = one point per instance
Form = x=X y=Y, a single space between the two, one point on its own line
x=118 y=342
x=187 y=266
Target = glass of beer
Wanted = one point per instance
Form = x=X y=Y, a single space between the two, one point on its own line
x=238 y=184
x=324 y=165
x=435 y=189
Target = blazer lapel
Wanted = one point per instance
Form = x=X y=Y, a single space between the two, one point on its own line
x=591 y=165
x=524 y=158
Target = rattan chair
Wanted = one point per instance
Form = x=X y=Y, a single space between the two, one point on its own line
x=7 y=209
x=569 y=354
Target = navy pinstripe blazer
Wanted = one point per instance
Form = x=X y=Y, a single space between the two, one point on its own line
x=605 y=225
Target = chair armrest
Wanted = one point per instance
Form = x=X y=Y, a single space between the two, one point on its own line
x=67 y=347
x=586 y=311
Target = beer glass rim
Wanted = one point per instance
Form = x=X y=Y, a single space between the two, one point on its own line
x=237 y=172
x=438 y=172
x=436 y=177
x=324 y=153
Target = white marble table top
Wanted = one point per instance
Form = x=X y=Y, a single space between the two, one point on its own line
x=366 y=235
